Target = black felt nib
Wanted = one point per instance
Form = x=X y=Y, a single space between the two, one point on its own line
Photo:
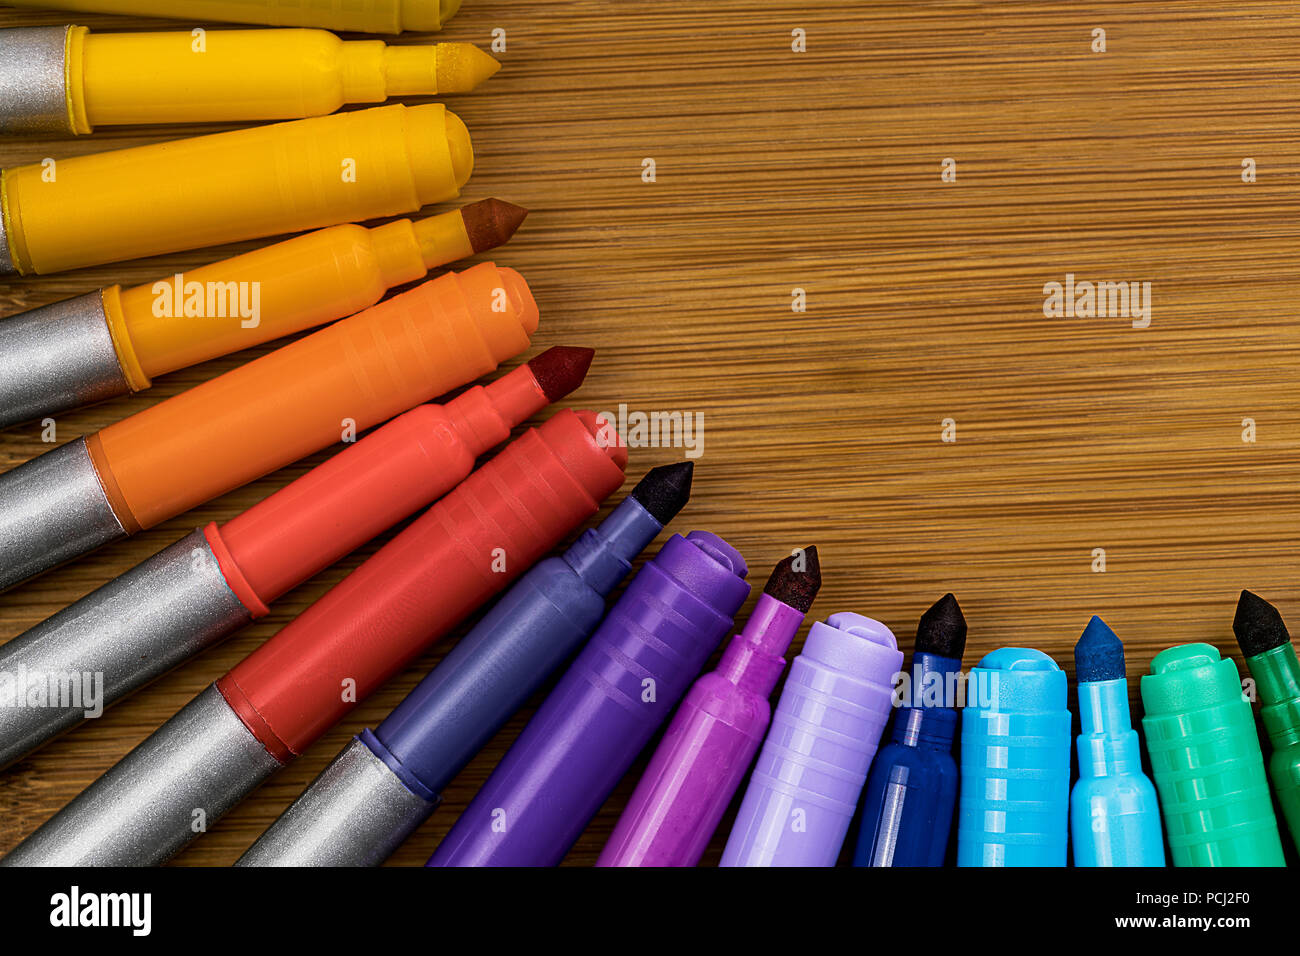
x=797 y=579
x=665 y=490
x=942 y=630
x=1258 y=625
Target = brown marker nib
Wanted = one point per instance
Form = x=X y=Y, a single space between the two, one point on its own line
x=491 y=222
x=796 y=580
x=560 y=370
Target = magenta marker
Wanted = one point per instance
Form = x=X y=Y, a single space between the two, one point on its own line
x=805 y=786
x=715 y=733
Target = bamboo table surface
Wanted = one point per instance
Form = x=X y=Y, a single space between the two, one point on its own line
x=823 y=170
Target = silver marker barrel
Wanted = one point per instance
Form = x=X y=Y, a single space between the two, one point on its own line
x=356 y=813
x=52 y=509
x=145 y=808
x=114 y=641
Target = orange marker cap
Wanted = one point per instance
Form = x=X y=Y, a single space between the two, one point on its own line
x=343 y=379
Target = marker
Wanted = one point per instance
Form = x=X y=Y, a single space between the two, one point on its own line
x=114 y=340
x=1114 y=813
x=243 y=184
x=1206 y=761
x=805 y=786
x=277 y=701
x=911 y=792
x=606 y=707
x=387 y=782
x=712 y=739
x=373 y=16
x=1266 y=644
x=215 y=580
x=254 y=419
x=1014 y=799
x=66 y=79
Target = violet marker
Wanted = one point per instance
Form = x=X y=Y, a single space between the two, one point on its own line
x=714 y=735
x=387 y=782
x=805 y=786
x=604 y=710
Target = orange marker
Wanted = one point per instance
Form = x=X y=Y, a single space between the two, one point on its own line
x=254 y=419
x=113 y=341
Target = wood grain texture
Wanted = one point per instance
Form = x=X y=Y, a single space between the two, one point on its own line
x=821 y=171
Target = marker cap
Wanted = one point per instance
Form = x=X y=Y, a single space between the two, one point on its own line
x=1015 y=762
x=441 y=567
x=1206 y=760
x=1189 y=677
x=1027 y=681
x=819 y=748
x=294 y=401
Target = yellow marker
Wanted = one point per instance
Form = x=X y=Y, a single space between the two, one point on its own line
x=243 y=184
x=69 y=80
x=360 y=16
x=114 y=340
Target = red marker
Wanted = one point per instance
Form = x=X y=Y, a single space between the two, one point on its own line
x=284 y=695
x=215 y=580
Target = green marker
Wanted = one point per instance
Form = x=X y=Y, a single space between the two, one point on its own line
x=1266 y=644
x=1206 y=761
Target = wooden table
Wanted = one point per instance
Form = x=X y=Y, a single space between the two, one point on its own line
x=823 y=170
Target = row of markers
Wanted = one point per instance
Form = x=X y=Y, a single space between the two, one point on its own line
x=637 y=664
x=634 y=668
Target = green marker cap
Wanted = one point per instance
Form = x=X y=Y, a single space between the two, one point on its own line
x=1190 y=677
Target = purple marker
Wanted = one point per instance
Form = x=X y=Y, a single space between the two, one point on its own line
x=604 y=710
x=715 y=733
x=805 y=786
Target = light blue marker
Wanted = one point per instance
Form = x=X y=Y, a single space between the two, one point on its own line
x=1114 y=813
x=1013 y=804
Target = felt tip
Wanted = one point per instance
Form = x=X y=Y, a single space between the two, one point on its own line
x=560 y=370
x=1258 y=625
x=942 y=629
x=462 y=66
x=491 y=222
x=1099 y=654
x=796 y=580
x=665 y=490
